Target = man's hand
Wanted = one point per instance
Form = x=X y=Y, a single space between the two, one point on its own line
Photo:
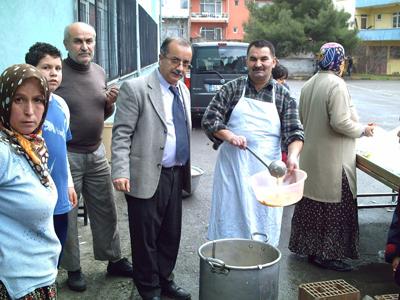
x=233 y=139
x=122 y=184
x=73 y=198
x=238 y=141
x=292 y=163
x=112 y=94
x=294 y=150
x=395 y=263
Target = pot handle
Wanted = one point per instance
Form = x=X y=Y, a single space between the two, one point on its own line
x=217 y=265
x=260 y=233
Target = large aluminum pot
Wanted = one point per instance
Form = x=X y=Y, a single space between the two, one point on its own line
x=238 y=269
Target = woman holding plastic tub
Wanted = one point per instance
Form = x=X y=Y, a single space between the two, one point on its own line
x=29 y=247
x=325 y=221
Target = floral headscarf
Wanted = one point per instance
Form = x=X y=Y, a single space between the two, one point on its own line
x=331 y=57
x=32 y=145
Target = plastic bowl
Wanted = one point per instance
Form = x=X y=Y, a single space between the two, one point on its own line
x=271 y=193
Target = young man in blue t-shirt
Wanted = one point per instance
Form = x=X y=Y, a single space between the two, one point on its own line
x=56 y=133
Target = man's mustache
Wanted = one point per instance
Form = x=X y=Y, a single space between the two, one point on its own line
x=258 y=69
x=177 y=72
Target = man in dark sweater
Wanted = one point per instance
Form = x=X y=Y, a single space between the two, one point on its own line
x=90 y=103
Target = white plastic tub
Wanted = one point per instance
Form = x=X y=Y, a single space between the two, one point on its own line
x=196 y=174
x=275 y=192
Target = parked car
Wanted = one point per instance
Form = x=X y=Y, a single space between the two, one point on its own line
x=213 y=64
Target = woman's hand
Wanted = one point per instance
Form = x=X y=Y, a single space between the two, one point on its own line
x=369 y=129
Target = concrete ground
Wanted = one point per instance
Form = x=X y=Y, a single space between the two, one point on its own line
x=372 y=276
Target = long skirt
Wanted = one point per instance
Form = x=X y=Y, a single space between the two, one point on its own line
x=42 y=293
x=326 y=230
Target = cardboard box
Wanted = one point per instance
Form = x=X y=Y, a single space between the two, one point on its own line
x=387 y=297
x=328 y=290
x=107 y=133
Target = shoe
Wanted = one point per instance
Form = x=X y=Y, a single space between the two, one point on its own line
x=76 y=281
x=121 y=268
x=175 y=292
x=332 y=264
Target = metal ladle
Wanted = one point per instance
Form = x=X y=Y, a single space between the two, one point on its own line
x=277 y=168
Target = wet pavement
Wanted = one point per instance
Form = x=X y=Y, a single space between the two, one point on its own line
x=372 y=276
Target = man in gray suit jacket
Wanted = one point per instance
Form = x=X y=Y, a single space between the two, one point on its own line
x=151 y=165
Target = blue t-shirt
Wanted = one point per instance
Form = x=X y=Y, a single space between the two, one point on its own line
x=56 y=133
x=29 y=247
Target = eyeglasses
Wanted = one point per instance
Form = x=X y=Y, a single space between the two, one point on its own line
x=177 y=62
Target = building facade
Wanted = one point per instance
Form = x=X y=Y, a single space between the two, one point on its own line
x=217 y=20
x=127 y=35
x=379 y=25
x=128 y=31
x=175 y=18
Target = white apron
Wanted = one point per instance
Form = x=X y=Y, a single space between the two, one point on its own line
x=235 y=212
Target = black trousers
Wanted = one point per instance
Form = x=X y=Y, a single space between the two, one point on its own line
x=155 y=231
x=61 y=228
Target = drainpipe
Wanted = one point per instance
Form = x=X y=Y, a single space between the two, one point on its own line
x=138 y=62
x=159 y=26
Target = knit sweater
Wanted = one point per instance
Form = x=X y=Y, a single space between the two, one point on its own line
x=29 y=247
x=84 y=90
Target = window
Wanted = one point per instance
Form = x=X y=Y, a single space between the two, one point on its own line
x=211 y=7
x=225 y=58
x=379 y=17
x=148 y=38
x=127 y=39
x=116 y=39
x=182 y=30
x=364 y=19
x=395 y=52
x=115 y=33
x=396 y=20
x=211 y=34
x=173 y=29
x=218 y=34
x=236 y=2
x=235 y=29
x=184 y=4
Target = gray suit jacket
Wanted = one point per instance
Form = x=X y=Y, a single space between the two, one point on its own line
x=139 y=135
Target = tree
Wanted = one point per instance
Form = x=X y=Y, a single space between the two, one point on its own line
x=298 y=26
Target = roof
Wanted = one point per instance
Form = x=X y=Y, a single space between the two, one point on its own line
x=372 y=3
x=220 y=43
x=392 y=34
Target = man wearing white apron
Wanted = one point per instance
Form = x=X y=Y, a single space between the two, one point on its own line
x=257 y=112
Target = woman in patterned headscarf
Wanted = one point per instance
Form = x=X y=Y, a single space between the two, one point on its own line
x=29 y=245
x=325 y=221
